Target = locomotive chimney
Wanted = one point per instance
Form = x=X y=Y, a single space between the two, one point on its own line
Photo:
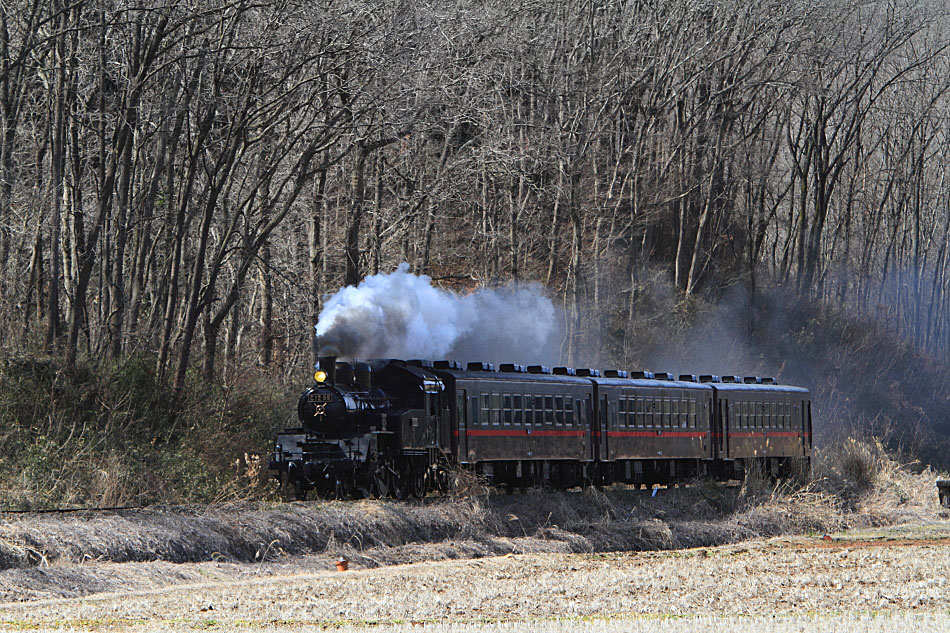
x=328 y=365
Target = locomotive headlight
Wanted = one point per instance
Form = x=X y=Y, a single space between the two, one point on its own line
x=320 y=376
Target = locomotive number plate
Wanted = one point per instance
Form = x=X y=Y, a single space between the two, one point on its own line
x=317 y=398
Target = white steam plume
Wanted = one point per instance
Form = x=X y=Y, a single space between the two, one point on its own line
x=401 y=315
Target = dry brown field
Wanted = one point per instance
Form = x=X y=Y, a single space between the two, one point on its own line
x=873 y=580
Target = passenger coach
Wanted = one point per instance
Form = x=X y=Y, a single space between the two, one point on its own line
x=399 y=427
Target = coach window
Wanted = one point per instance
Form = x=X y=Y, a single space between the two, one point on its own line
x=638 y=412
x=622 y=408
x=485 y=417
x=665 y=419
x=692 y=413
x=674 y=413
x=495 y=409
x=516 y=405
x=559 y=410
x=506 y=409
x=538 y=407
x=548 y=410
x=569 y=410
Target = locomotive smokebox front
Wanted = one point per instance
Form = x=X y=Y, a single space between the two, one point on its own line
x=322 y=410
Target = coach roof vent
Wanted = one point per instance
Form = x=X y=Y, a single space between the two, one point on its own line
x=513 y=368
x=593 y=373
x=688 y=378
x=479 y=366
x=642 y=374
x=538 y=369
x=565 y=371
x=750 y=380
x=767 y=380
x=709 y=378
x=734 y=379
x=419 y=362
x=447 y=364
x=662 y=375
x=615 y=373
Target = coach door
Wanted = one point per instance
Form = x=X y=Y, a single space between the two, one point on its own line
x=463 y=417
x=724 y=425
x=603 y=425
x=584 y=413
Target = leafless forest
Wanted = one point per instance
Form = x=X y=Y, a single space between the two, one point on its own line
x=190 y=178
x=185 y=181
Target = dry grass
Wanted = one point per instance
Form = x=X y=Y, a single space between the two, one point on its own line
x=784 y=577
x=857 y=486
x=840 y=623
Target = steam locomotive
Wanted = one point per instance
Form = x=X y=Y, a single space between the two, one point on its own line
x=401 y=428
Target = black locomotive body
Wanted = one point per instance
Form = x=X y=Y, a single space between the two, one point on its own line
x=400 y=427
